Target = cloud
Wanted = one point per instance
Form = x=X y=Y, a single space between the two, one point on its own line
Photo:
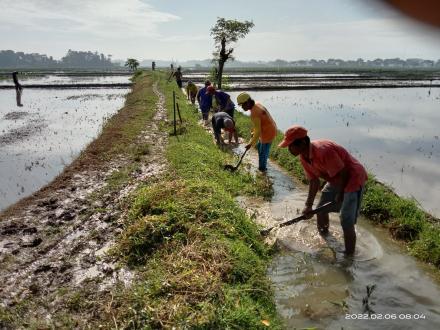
x=366 y=38
x=186 y=38
x=102 y=18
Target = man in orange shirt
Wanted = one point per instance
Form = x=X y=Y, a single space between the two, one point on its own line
x=344 y=174
x=264 y=130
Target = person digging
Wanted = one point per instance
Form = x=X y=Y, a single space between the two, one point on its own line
x=345 y=178
x=264 y=128
x=221 y=120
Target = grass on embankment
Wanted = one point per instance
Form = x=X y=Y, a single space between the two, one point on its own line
x=405 y=220
x=200 y=260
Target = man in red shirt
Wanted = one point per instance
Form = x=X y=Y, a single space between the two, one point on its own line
x=344 y=174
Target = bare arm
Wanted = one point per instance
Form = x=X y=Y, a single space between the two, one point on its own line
x=256 y=132
x=313 y=189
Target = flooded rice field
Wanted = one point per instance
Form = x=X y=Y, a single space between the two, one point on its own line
x=393 y=132
x=39 y=139
x=317 y=287
x=66 y=79
x=287 y=81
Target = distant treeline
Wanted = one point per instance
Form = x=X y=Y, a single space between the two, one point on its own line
x=73 y=59
x=313 y=63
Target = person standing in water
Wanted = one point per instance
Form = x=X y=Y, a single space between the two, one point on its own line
x=18 y=88
x=345 y=178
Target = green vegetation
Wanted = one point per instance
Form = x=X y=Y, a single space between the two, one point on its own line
x=200 y=260
x=132 y=64
x=404 y=218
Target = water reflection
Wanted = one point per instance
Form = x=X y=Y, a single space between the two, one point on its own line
x=393 y=132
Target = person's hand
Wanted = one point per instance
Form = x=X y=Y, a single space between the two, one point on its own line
x=248 y=146
x=307 y=211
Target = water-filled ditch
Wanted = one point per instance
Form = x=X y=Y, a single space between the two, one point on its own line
x=317 y=286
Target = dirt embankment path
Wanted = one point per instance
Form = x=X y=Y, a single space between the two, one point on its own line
x=56 y=240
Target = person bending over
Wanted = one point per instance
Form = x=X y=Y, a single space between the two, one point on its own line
x=221 y=120
x=345 y=178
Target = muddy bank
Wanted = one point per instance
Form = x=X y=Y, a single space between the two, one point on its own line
x=54 y=243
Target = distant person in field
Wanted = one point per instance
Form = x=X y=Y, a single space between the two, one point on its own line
x=177 y=75
x=345 y=178
x=18 y=88
x=205 y=102
x=222 y=101
x=221 y=120
x=153 y=66
x=264 y=130
x=191 y=91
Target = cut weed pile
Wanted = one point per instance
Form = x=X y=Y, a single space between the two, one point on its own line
x=200 y=259
x=404 y=218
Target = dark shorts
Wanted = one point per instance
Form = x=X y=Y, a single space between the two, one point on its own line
x=349 y=208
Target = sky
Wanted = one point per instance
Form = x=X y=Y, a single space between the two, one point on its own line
x=180 y=30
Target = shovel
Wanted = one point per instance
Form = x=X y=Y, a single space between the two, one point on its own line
x=321 y=208
x=231 y=168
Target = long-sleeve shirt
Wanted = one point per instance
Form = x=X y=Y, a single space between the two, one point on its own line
x=224 y=101
x=265 y=128
x=205 y=100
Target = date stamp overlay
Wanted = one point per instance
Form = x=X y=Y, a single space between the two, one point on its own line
x=388 y=316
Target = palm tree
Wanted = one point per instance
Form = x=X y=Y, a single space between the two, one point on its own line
x=132 y=64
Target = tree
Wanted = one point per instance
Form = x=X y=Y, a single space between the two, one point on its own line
x=132 y=64
x=226 y=32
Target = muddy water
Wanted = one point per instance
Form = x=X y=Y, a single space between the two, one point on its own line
x=316 y=286
x=394 y=133
x=39 y=139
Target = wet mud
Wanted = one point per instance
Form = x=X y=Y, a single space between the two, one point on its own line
x=58 y=238
x=14 y=115
x=35 y=126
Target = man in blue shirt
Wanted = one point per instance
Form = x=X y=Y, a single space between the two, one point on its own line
x=205 y=102
x=223 y=101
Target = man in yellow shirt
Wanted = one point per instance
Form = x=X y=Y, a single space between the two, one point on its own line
x=191 y=91
x=264 y=130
